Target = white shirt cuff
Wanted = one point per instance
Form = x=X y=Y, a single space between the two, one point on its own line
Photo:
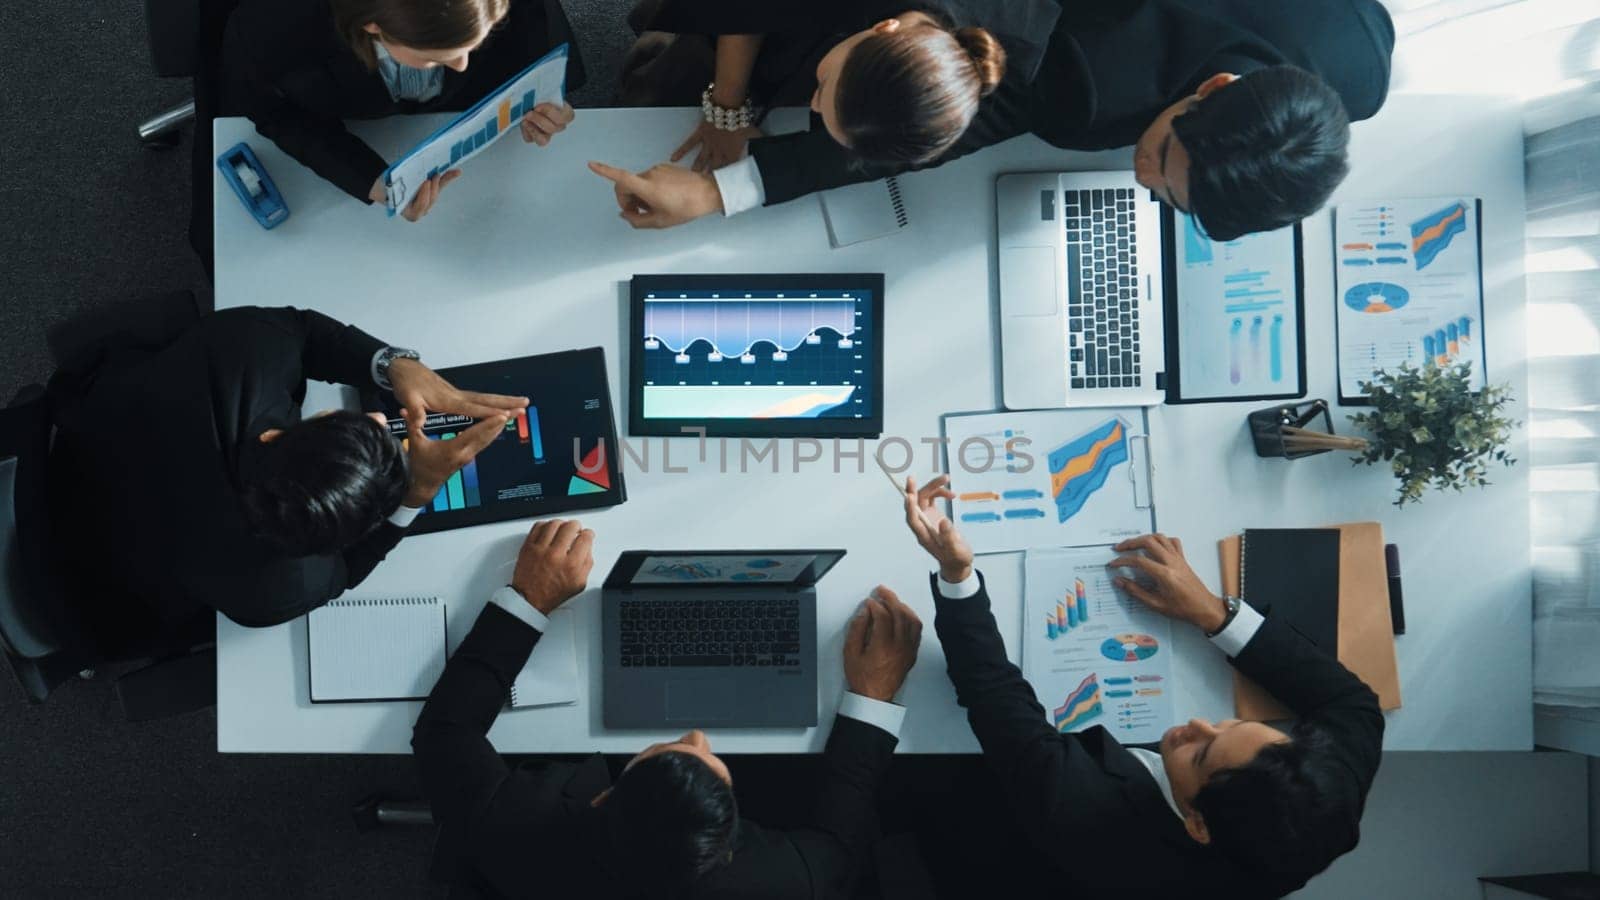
x=885 y=716
x=372 y=367
x=404 y=516
x=1246 y=622
x=509 y=600
x=960 y=591
x=741 y=187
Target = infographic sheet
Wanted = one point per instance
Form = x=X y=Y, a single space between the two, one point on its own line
x=1238 y=314
x=1049 y=479
x=486 y=122
x=1094 y=655
x=1409 y=288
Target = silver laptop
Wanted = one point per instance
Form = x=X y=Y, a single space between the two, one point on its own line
x=1081 y=290
x=712 y=638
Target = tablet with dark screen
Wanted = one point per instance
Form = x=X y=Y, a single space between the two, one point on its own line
x=558 y=456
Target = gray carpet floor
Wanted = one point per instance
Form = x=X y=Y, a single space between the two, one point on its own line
x=91 y=806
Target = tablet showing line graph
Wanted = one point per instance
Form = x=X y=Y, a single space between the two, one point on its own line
x=757 y=355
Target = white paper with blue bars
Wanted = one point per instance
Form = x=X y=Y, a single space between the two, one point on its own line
x=471 y=132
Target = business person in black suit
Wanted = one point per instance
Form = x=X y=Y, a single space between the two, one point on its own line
x=188 y=480
x=668 y=825
x=1220 y=809
x=1238 y=110
x=299 y=68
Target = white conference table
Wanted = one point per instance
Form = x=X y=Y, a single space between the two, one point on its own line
x=525 y=253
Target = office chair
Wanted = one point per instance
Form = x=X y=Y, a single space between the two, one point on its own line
x=173 y=28
x=44 y=638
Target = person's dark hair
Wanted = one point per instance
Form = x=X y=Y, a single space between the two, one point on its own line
x=325 y=483
x=671 y=821
x=1265 y=151
x=424 y=24
x=905 y=96
x=1288 y=813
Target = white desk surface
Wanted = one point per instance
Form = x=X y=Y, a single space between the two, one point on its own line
x=526 y=254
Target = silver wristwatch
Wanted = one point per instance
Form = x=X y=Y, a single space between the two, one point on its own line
x=385 y=359
x=1232 y=603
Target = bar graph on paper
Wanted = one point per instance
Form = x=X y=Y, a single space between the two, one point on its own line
x=474 y=130
x=1407 y=276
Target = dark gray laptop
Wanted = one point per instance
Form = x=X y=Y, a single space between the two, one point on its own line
x=712 y=638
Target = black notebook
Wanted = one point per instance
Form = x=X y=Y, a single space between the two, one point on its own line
x=1293 y=574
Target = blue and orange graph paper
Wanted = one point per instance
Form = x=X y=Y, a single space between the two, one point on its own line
x=1081 y=466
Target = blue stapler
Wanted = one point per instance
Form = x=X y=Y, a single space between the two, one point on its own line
x=249 y=179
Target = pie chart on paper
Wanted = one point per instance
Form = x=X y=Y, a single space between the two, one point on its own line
x=1129 y=647
x=1376 y=297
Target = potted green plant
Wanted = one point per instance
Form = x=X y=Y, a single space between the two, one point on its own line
x=1432 y=430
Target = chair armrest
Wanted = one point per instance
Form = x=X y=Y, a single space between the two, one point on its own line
x=170 y=687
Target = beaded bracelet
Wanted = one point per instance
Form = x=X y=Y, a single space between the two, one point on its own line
x=724 y=118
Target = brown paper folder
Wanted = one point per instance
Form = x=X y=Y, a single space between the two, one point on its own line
x=1366 y=631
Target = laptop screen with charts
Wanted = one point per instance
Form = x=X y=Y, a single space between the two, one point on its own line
x=756 y=355
x=718 y=638
x=1097 y=301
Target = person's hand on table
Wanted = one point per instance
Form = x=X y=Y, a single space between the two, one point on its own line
x=420 y=390
x=1169 y=586
x=934 y=530
x=544 y=122
x=553 y=564
x=718 y=148
x=662 y=196
x=434 y=461
x=422 y=201
x=881 y=645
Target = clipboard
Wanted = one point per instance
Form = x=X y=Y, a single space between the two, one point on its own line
x=1408 y=288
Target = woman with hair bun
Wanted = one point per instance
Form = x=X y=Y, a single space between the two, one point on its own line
x=891 y=87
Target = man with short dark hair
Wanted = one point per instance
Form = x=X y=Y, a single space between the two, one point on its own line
x=1219 y=809
x=183 y=470
x=668 y=825
x=1238 y=110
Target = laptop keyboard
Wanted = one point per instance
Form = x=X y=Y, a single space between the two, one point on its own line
x=1102 y=289
x=696 y=632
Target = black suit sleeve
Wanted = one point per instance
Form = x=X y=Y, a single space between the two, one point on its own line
x=1050 y=781
x=836 y=848
x=294 y=344
x=253 y=68
x=460 y=770
x=1321 y=691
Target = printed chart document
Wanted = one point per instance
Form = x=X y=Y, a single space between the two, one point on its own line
x=1409 y=282
x=1069 y=477
x=1094 y=655
x=484 y=123
x=1239 y=326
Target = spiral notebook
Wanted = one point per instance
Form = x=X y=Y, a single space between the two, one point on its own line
x=381 y=648
x=550 y=677
x=861 y=212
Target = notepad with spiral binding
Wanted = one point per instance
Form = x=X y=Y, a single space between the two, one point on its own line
x=861 y=212
x=381 y=648
x=550 y=677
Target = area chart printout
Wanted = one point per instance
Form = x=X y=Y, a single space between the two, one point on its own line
x=1094 y=655
x=1238 y=315
x=1409 y=287
x=486 y=122
x=1049 y=479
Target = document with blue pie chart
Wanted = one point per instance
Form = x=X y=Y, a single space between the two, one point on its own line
x=1093 y=654
x=1053 y=478
x=1408 y=281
